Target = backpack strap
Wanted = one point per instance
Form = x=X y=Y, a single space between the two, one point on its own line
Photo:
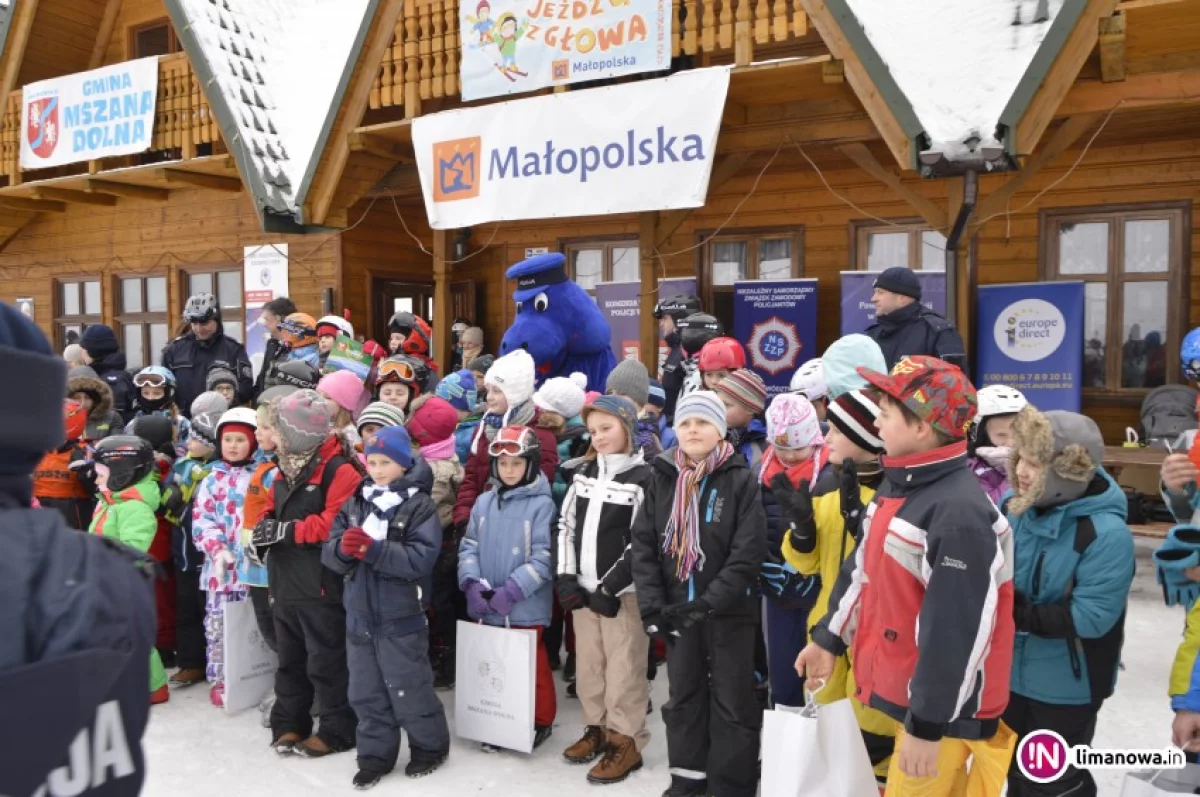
x=334 y=464
x=1085 y=534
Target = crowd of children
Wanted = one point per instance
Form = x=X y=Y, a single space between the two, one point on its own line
x=956 y=561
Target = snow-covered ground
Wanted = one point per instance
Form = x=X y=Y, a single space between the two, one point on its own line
x=194 y=749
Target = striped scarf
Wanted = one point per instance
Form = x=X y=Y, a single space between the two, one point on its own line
x=682 y=536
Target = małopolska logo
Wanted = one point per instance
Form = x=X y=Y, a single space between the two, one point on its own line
x=1043 y=756
x=43 y=129
x=1029 y=330
x=456 y=165
x=774 y=346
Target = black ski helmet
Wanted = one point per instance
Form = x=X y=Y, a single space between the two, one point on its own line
x=679 y=306
x=697 y=329
x=129 y=459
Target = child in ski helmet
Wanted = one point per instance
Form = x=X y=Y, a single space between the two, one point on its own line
x=989 y=443
x=328 y=329
x=398 y=382
x=156 y=396
x=718 y=359
x=809 y=381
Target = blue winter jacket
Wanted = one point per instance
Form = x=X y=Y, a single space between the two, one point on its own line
x=1094 y=585
x=666 y=433
x=464 y=435
x=387 y=593
x=509 y=536
x=309 y=354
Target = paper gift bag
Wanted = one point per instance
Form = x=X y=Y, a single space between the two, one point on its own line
x=1162 y=782
x=250 y=663
x=814 y=752
x=494 y=687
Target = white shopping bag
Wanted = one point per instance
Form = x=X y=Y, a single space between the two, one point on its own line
x=494 y=685
x=815 y=751
x=1162 y=782
x=250 y=663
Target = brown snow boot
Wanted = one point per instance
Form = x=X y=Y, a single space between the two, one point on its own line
x=621 y=759
x=592 y=744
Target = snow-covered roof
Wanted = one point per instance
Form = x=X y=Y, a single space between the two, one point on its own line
x=959 y=63
x=275 y=73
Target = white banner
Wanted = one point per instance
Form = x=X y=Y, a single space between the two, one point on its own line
x=89 y=115
x=249 y=662
x=619 y=149
x=264 y=273
x=510 y=47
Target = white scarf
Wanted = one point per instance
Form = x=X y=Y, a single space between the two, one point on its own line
x=384 y=502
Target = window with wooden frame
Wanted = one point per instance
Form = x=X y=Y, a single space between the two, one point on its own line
x=591 y=262
x=142 y=318
x=747 y=255
x=907 y=242
x=152 y=39
x=226 y=285
x=77 y=306
x=1133 y=262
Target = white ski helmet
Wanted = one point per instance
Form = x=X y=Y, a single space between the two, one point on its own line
x=998 y=400
x=337 y=322
x=809 y=380
x=239 y=415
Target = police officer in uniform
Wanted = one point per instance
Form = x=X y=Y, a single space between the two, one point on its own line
x=670 y=312
x=191 y=356
x=904 y=327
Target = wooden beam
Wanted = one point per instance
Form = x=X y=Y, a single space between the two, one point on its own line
x=928 y=209
x=1125 y=5
x=1112 y=48
x=380 y=147
x=1066 y=135
x=648 y=236
x=108 y=24
x=69 y=196
x=1136 y=91
x=441 y=298
x=722 y=172
x=14 y=52
x=833 y=71
x=200 y=179
x=354 y=105
x=734 y=113
x=129 y=190
x=1061 y=76
x=822 y=131
x=33 y=205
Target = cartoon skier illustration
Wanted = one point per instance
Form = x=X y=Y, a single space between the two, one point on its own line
x=481 y=21
x=506 y=37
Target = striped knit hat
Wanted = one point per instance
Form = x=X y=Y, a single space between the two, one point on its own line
x=380 y=413
x=746 y=388
x=705 y=405
x=303 y=421
x=853 y=414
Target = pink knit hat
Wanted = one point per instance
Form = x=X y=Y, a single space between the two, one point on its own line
x=346 y=390
x=792 y=422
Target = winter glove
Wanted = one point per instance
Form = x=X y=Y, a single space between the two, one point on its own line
x=1051 y=620
x=604 y=604
x=658 y=626
x=571 y=596
x=85 y=472
x=506 y=598
x=173 y=504
x=476 y=603
x=222 y=562
x=357 y=543
x=851 y=497
x=268 y=532
x=1179 y=552
x=783 y=582
x=687 y=613
x=795 y=504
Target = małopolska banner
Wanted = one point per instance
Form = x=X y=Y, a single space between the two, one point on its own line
x=776 y=320
x=510 y=47
x=619 y=149
x=857 y=311
x=1030 y=336
x=89 y=115
x=620 y=305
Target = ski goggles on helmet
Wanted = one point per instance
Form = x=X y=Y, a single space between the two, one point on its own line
x=396 y=371
x=150 y=380
x=513 y=441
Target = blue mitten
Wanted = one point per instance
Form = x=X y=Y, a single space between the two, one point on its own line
x=1179 y=553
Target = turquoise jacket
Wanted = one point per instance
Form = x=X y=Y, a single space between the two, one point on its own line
x=1094 y=586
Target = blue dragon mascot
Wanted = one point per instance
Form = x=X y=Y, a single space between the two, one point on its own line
x=558 y=323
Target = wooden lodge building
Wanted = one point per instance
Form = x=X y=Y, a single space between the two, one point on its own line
x=820 y=154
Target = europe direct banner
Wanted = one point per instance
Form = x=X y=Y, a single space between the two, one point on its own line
x=619 y=303
x=1030 y=336
x=776 y=321
x=510 y=47
x=858 y=314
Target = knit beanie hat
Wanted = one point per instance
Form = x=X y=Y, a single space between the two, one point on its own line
x=746 y=388
x=303 y=421
x=433 y=422
x=631 y=380
x=657 y=395
x=853 y=414
x=99 y=340
x=203 y=428
x=564 y=395
x=220 y=376
x=620 y=408
x=841 y=360
x=393 y=443
x=459 y=389
x=703 y=404
x=208 y=401
x=901 y=280
x=346 y=390
x=482 y=363
x=380 y=413
x=31 y=418
x=792 y=422
x=513 y=374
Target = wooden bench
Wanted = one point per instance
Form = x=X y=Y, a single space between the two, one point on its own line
x=1117 y=458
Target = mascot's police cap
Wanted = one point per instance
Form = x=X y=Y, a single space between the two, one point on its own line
x=536 y=273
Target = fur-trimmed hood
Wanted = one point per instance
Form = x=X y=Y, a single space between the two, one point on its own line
x=1068 y=445
x=81 y=381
